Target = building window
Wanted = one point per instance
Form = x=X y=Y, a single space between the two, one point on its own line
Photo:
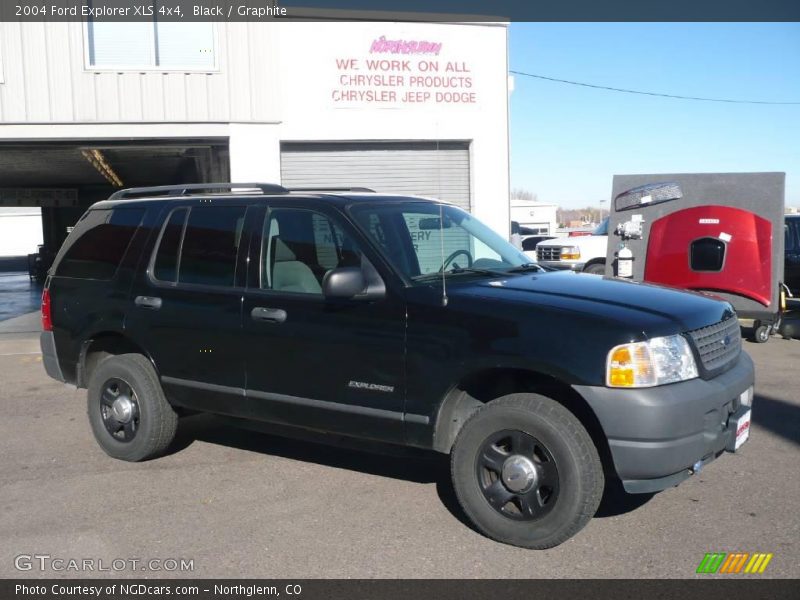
x=152 y=44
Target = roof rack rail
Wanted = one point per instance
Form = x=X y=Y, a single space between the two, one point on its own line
x=186 y=188
x=332 y=189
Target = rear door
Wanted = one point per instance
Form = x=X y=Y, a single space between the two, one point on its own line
x=330 y=365
x=187 y=305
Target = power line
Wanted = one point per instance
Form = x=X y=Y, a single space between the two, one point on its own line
x=674 y=96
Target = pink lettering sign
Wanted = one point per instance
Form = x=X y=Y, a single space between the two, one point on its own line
x=384 y=46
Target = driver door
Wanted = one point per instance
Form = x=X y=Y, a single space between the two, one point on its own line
x=331 y=365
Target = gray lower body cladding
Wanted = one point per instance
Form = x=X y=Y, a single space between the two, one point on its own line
x=49 y=357
x=657 y=434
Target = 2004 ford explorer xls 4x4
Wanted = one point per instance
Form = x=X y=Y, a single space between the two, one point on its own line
x=398 y=319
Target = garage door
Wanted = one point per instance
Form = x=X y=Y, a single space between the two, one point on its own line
x=436 y=169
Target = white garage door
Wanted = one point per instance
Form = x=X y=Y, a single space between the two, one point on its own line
x=435 y=169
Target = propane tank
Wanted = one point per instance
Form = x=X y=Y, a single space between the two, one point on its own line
x=625 y=262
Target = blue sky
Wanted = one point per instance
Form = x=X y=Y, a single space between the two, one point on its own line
x=567 y=142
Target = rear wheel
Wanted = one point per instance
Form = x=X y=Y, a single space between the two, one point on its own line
x=526 y=472
x=130 y=417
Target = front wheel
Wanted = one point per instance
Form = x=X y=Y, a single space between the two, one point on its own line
x=526 y=472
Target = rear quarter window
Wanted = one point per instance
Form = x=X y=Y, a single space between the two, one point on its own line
x=98 y=243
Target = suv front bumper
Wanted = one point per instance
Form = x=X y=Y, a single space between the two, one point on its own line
x=656 y=435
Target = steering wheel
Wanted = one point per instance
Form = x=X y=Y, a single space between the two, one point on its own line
x=452 y=257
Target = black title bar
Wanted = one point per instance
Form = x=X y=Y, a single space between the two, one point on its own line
x=709 y=588
x=413 y=10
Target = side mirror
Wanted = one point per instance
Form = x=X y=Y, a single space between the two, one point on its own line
x=357 y=283
x=344 y=282
x=646 y=195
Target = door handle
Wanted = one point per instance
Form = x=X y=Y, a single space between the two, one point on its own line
x=269 y=315
x=148 y=302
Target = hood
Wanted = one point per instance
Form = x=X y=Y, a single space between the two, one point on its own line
x=650 y=309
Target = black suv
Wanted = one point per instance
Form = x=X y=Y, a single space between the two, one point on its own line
x=398 y=319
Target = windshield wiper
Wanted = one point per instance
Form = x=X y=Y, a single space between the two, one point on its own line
x=525 y=268
x=459 y=271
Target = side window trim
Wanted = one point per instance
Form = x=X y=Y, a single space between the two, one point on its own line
x=152 y=264
x=179 y=257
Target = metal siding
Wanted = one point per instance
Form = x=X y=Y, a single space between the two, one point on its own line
x=45 y=80
x=84 y=91
x=34 y=59
x=60 y=82
x=395 y=168
x=12 y=90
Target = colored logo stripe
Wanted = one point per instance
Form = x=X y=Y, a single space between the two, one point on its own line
x=721 y=562
x=758 y=563
x=711 y=562
x=734 y=562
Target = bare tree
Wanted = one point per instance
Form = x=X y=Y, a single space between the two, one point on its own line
x=523 y=194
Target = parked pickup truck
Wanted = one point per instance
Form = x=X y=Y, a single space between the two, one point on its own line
x=585 y=253
x=398 y=319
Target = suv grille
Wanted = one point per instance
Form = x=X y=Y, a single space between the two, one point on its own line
x=718 y=344
x=548 y=253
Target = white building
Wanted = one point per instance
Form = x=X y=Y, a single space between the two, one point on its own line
x=538 y=217
x=415 y=108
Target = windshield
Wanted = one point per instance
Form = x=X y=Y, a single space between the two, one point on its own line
x=602 y=229
x=423 y=239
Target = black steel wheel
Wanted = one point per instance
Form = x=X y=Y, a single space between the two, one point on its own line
x=517 y=475
x=129 y=414
x=526 y=472
x=119 y=408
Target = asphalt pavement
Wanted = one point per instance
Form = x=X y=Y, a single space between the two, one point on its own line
x=243 y=504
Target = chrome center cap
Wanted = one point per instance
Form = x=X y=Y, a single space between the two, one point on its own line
x=519 y=474
x=122 y=409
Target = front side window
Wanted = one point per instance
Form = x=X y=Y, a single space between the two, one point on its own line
x=199 y=246
x=424 y=239
x=98 y=242
x=150 y=44
x=299 y=247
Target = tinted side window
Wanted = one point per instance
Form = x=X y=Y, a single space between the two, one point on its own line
x=300 y=247
x=101 y=238
x=210 y=245
x=792 y=235
x=166 y=264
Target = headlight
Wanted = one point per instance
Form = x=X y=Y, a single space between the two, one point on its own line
x=570 y=253
x=654 y=362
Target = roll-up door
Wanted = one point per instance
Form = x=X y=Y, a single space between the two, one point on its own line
x=435 y=169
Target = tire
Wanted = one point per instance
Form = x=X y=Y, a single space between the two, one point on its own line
x=761 y=332
x=595 y=269
x=151 y=423
x=560 y=441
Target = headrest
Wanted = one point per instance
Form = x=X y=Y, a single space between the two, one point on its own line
x=281 y=251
